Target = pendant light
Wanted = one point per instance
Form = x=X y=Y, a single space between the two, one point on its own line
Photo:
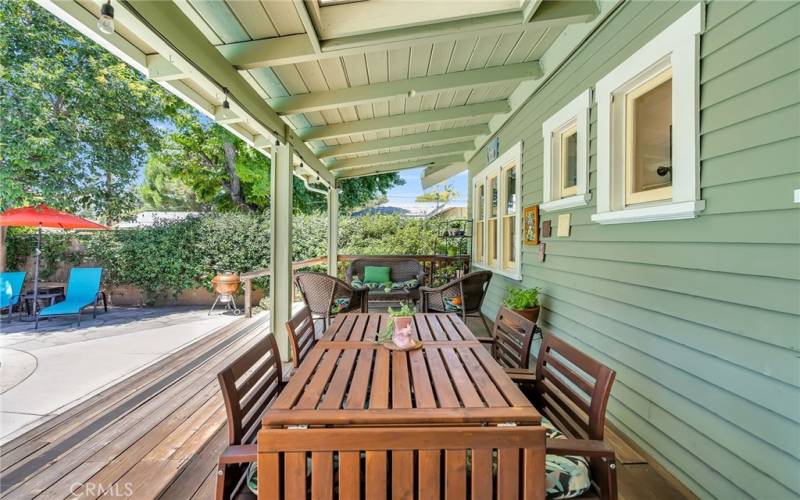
x=225 y=103
x=106 y=21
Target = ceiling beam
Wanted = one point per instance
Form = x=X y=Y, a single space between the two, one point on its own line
x=447 y=134
x=408 y=154
x=290 y=49
x=364 y=94
x=297 y=48
x=403 y=121
x=308 y=25
x=395 y=167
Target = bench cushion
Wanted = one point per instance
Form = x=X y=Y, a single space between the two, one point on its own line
x=566 y=477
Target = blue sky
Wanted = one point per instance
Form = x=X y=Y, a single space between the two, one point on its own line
x=413 y=187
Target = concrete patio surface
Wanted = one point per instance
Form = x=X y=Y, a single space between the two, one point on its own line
x=44 y=372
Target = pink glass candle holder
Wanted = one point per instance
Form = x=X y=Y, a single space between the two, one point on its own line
x=402 y=332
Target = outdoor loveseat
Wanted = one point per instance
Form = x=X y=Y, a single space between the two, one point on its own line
x=405 y=275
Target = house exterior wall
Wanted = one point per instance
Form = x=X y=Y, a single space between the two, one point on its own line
x=699 y=317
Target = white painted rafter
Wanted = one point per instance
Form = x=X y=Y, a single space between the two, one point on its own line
x=402 y=121
x=409 y=154
x=160 y=69
x=395 y=167
x=448 y=134
x=363 y=94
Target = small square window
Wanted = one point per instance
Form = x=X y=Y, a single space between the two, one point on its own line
x=648 y=114
x=566 y=155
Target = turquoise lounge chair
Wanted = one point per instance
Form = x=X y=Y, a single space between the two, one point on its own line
x=10 y=290
x=83 y=290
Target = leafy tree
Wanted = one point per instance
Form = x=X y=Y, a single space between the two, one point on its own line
x=163 y=191
x=77 y=123
x=219 y=169
x=200 y=162
x=443 y=195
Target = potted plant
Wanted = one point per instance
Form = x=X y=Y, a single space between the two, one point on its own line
x=399 y=328
x=523 y=301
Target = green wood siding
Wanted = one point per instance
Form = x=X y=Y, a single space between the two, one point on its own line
x=700 y=318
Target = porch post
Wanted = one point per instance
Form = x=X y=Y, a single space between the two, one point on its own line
x=280 y=266
x=333 y=229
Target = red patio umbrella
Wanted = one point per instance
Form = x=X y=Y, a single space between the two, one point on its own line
x=43 y=216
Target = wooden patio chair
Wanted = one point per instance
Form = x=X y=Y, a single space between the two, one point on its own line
x=572 y=390
x=469 y=290
x=302 y=334
x=511 y=340
x=327 y=296
x=249 y=385
x=402 y=462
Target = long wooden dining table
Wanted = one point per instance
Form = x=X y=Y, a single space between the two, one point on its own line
x=350 y=380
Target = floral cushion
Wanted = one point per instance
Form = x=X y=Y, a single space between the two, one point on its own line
x=565 y=477
x=357 y=283
x=340 y=304
x=396 y=285
x=399 y=285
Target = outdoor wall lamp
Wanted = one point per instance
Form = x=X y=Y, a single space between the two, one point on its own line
x=106 y=21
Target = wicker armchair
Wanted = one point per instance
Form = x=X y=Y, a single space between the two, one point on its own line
x=321 y=292
x=471 y=288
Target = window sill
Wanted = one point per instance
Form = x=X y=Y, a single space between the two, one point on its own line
x=669 y=211
x=578 y=200
x=502 y=272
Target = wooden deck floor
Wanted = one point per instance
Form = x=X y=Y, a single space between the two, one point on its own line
x=159 y=433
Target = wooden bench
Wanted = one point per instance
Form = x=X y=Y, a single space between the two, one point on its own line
x=249 y=385
x=402 y=462
x=575 y=400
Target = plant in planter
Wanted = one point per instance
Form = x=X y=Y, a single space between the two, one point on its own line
x=523 y=301
x=398 y=330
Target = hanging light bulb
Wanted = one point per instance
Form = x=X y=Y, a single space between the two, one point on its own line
x=225 y=103
x=106 y=21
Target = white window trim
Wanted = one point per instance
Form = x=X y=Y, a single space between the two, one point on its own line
x=677 y=47
x=496 y=168
x=576 y=111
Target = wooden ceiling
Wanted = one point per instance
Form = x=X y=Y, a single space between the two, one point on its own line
x=357 y=87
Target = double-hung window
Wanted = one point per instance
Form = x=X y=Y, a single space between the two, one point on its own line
x=647 y=130
x=496 y=212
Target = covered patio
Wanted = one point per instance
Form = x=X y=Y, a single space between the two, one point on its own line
x=331 y=92
x=611 y=148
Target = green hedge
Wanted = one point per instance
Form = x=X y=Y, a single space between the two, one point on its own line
x=169 y=257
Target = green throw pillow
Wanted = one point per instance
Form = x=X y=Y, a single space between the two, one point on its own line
x=375 y=274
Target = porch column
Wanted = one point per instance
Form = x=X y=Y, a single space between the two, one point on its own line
x=280 y=266
x=333 y=229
